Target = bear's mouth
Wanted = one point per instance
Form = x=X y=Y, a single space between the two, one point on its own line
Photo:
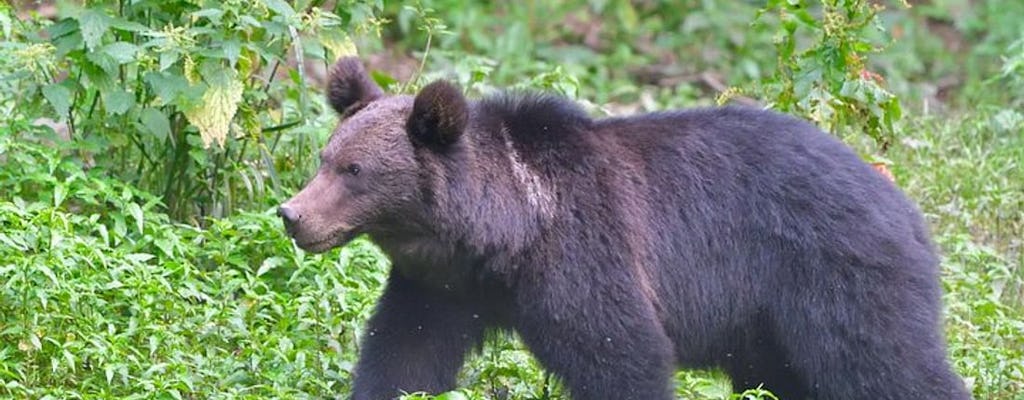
x=334 y=240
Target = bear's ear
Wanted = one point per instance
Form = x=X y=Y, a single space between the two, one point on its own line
x=439 y=115
x=349 y=85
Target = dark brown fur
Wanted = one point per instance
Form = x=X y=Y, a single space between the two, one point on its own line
x=619 y=249
x=349 y=87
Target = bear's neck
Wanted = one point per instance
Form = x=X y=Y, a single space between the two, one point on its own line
x=493 y=198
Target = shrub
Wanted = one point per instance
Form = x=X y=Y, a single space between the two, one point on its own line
x=194 y=101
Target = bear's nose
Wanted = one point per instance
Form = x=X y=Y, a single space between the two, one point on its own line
x=289 y=215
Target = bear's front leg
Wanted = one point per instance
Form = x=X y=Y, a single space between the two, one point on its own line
x=416 y=341
x=603 y=340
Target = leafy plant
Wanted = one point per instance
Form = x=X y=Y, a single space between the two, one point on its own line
x=188 y=99
x=103 y=295
x=828 y=80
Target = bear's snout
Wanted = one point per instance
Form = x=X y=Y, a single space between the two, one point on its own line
x=290 y=217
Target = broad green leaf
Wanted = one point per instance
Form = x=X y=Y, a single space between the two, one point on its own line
x=121 y=52
x=168 y=58
x=232 y=49
x=93 y=25
x=96 y=76
x=117 y=101
x=59 y=97
x=126 y=25
x=155 y=122
x=62 y=28
x=104 y=61
x=167 y=86
x=279 y=7
x=213 y=14
x=249 y=20
x=66 y=36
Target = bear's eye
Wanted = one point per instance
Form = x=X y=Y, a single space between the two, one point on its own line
x=352 y=169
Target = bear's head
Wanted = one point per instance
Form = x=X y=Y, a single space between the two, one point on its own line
x=371 y=168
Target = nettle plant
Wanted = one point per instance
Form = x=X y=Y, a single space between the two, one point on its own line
x=190 y=99
x=822 y=70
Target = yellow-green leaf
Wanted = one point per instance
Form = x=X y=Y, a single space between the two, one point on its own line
x=215 y=110
x=339 y=43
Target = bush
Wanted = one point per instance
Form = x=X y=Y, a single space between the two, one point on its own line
x=828 y=80
x=206 y=104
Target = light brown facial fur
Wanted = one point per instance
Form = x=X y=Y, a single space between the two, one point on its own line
x=366 y=170
x=369 y=169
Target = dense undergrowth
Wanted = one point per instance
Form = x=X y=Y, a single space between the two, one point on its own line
x=127 y=271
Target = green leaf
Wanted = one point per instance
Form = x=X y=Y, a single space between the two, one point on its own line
x=59 y=194
x=96 y=76
x=140 y=258
x=65 y=36
x=167 y=86
x=49 y=274
x=62 y=28
x=136 y=213
x=121 y=52
x=117 y=101
x=269 y=264
x=126 y=25
x=38 y=345
x=382 y=78
x=453 y=395
x=155 y=122
x=59 y=97
x=168 y=58
x=249 y=20
x=213 y=14
x=232 y=49
x=104 y=61
x=93 y=25
x=279 y=7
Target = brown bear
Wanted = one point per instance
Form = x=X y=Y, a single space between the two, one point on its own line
x=619 y=249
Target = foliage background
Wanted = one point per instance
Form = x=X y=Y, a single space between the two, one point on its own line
x=145 y=143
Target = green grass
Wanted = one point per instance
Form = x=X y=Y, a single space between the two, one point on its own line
x=968 y=175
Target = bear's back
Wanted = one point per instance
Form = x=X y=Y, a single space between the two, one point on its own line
x=756 y=160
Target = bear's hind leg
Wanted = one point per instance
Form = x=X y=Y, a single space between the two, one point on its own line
x=762 y=364
x=870 y=347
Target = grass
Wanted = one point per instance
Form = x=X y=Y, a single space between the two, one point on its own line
x=967 y=174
